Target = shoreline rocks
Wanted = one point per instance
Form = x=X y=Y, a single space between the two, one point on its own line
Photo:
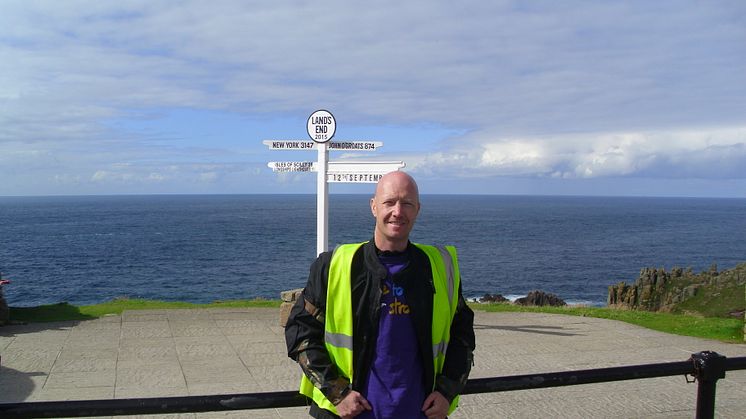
x=533 y=298
x=493 y=298
x=540 y=298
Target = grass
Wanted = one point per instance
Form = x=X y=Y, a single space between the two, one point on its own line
x=726 y=330
x=65 y=311
x=716 y=328
x=715 y=301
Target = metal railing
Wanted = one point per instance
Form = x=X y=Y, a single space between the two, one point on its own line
x=706 y=368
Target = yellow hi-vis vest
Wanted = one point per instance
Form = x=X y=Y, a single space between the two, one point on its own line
x=338 y=317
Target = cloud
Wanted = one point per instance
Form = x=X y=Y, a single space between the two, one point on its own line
x=517 y=66
x=709 y=154
x=576 y=90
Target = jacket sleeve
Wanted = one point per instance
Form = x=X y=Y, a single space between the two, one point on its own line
x=460 y=353
x=304 y=334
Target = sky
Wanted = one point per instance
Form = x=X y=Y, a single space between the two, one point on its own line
x=609 y=98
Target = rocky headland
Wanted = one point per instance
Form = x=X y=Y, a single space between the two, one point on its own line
x=710 y=293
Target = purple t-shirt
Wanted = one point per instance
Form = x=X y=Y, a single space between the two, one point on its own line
x=394 y=385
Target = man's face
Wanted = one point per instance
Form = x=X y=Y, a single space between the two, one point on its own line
x=395 y=208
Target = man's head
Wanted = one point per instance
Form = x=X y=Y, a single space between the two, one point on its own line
x=395 y=207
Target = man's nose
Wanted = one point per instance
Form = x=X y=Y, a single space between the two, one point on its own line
x=396 y=209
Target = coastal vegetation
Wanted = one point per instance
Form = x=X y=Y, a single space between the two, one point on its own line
x=723 y=329
x=65 y=311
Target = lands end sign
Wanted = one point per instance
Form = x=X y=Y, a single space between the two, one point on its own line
x=321 y=126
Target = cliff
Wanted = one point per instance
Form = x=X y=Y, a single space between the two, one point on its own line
x=710 y=293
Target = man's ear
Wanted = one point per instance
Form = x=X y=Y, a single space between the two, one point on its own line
x=373 y=206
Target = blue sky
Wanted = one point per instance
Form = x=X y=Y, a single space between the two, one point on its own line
x=504 y=97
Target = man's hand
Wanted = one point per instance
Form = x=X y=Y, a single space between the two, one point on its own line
x=435 y=406
x=352 y=405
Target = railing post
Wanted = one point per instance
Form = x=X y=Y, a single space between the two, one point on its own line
x=709 y=367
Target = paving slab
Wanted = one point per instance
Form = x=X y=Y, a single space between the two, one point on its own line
x=161 y=353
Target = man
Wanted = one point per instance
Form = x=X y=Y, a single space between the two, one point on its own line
x=381 y=329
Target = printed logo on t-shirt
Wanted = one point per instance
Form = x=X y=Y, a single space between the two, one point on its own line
x=396 y=307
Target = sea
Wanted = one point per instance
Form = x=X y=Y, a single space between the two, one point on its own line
x=205 y=248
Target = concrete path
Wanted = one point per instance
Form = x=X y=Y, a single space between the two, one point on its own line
x=213 y=351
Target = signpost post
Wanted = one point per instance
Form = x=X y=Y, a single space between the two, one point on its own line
x=321 y=127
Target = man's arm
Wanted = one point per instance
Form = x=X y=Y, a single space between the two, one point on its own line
x=304 y=335
x=460 y=353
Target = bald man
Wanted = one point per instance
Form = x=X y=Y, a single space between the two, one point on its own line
x=381 y=329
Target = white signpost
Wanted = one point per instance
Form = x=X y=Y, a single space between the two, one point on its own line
x=321 y=127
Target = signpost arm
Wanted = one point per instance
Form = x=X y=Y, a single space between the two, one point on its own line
x=322 y=200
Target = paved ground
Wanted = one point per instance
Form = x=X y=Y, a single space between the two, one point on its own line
x=200 y=352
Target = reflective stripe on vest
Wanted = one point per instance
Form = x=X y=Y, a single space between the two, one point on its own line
x=338 y=316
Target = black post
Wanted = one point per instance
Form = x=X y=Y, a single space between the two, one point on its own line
x=709 y=367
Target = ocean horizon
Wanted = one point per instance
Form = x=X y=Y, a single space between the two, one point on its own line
x=201 y=248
